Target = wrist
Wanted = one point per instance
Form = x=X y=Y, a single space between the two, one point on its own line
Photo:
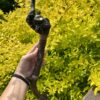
x=21 y=77
x=19 y=73
x=18 y=82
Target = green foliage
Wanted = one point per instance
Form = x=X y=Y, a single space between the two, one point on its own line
x=72 y=61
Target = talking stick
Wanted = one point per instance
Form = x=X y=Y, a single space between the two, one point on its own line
x=42 y=26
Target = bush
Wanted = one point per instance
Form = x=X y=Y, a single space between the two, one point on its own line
x=72 y=60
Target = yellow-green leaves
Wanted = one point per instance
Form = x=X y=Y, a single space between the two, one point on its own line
x=73 y=48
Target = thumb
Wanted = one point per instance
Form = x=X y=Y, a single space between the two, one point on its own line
x=33 y=55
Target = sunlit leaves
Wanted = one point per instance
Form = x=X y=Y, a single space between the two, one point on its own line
x=73 y=48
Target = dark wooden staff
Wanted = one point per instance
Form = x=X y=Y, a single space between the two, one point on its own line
x=42 y=26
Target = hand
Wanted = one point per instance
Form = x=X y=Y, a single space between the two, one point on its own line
x=27 y=63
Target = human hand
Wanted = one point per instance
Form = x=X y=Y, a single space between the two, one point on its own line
x=27 y=63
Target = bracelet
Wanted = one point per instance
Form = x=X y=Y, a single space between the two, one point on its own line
x=22 y=78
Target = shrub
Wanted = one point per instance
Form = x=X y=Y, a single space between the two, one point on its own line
x=72 y=60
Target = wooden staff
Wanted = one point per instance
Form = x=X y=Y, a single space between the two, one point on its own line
x=42 y=26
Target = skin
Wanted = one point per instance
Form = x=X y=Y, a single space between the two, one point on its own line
x=16 y=89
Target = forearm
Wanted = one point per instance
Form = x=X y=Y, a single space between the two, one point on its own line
x=15 y=90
